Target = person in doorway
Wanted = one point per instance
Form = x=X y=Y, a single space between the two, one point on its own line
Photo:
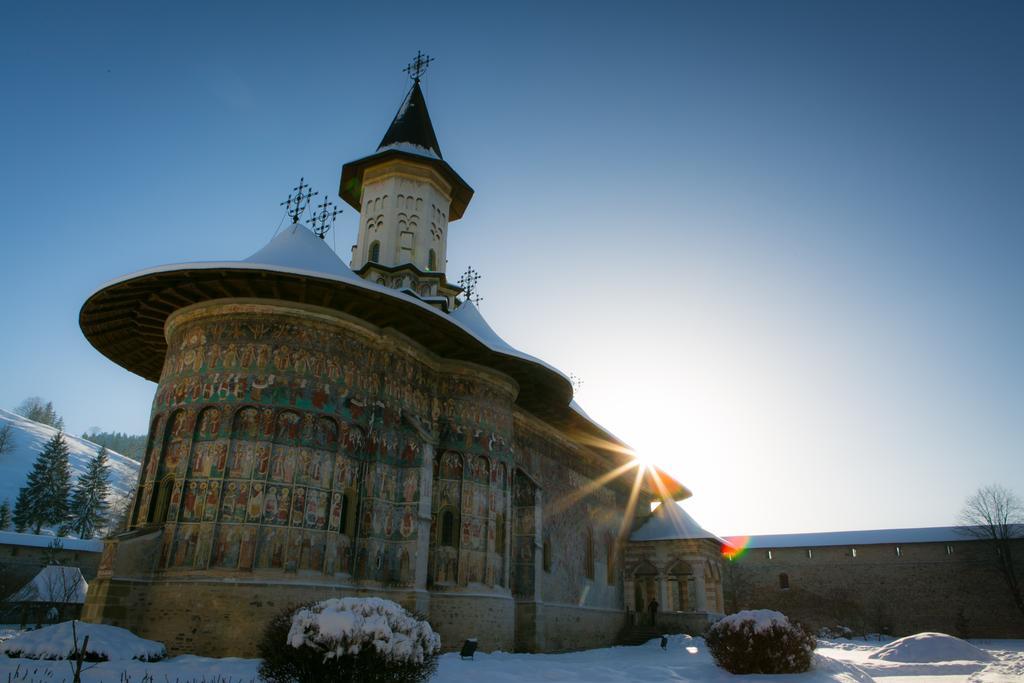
x=653 y=609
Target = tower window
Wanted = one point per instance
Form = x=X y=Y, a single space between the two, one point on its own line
x=547 y=554
x=432 y=260
x=375 y=252
x=899 y=551
x=853 y=552
x=949 y=550
x=784 y=581
x=810 y=554
x=769 y=554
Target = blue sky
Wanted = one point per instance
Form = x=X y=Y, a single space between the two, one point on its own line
x=780 y=242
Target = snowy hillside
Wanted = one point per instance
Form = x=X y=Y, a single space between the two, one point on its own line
x=28 y=439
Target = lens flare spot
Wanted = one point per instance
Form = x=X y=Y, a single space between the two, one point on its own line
x=735 y=546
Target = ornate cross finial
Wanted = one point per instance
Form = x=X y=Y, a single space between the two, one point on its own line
x=323 y=220
x=468 y=282
x=418 y=66
x=297 y=203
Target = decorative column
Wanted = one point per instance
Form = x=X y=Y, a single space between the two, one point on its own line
x=701 y=598
x=423 y=530
x=662 y=592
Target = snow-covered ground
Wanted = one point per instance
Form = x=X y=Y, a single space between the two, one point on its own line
x=842 y=661
x=28 y=439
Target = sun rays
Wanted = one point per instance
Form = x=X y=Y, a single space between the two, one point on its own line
x=642 y=467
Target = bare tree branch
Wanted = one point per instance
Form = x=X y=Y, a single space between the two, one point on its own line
x=995 y=515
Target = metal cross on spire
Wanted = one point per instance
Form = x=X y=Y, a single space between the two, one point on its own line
x=468 y=282
x=323 y=220
x=418 y=66
x=297 y=203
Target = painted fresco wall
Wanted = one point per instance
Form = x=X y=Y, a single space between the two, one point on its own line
x=308 y=452
x=581 y=524
x=287 y=441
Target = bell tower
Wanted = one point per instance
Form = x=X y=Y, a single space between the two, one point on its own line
x=406 y=195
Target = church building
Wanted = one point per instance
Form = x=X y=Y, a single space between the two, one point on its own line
x=322 y=430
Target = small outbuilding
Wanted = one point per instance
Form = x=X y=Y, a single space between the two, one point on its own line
x=673 y=572
x=55 y=594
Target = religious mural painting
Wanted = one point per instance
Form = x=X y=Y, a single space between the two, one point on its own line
x=291 y=447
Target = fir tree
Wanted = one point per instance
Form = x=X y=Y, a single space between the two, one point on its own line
x=22 y=511
x=6 y=439
x=43 y=501
x=5 y=515
x=89 y=499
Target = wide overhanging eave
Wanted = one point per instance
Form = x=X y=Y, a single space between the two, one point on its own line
x=125 y=322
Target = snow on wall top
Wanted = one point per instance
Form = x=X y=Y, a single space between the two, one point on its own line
x=43 y=540
x=29 y=437
x=54 y=583
x=670 y=523
x=938 y=534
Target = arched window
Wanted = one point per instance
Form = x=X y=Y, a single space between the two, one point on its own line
x=375 y=252
x=345 y=516
x=588 y=556
x=547 y=554
x=162 y=500
x=784 y=581
x=448 y=528
x=432 y=260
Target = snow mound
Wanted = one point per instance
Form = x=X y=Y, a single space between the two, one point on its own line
x=763 y=619
x=346 y=626
x=105 y=643
x=931 y=648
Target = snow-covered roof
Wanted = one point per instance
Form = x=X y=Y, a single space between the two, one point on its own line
x=93 y=545
x=297 y=247
x=54 y=583
x=937 y=534
x=410 y=148
x=112 y=327
x=470 y=318
x=411 y=129
x=670 y=522
x=296 y=250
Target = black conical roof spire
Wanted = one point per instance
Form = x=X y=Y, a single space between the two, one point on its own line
x=411 y=126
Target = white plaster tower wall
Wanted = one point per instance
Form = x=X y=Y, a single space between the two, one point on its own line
x=405 y=209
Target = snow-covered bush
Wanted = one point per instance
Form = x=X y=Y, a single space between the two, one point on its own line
x=760 y=642
x=353 y=640
x=105 y=643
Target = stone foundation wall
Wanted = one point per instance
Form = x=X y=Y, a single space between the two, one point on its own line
x=490 y=619
x=226 y=618
x=923 y=588
x=690 y=623
x=568 y=627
